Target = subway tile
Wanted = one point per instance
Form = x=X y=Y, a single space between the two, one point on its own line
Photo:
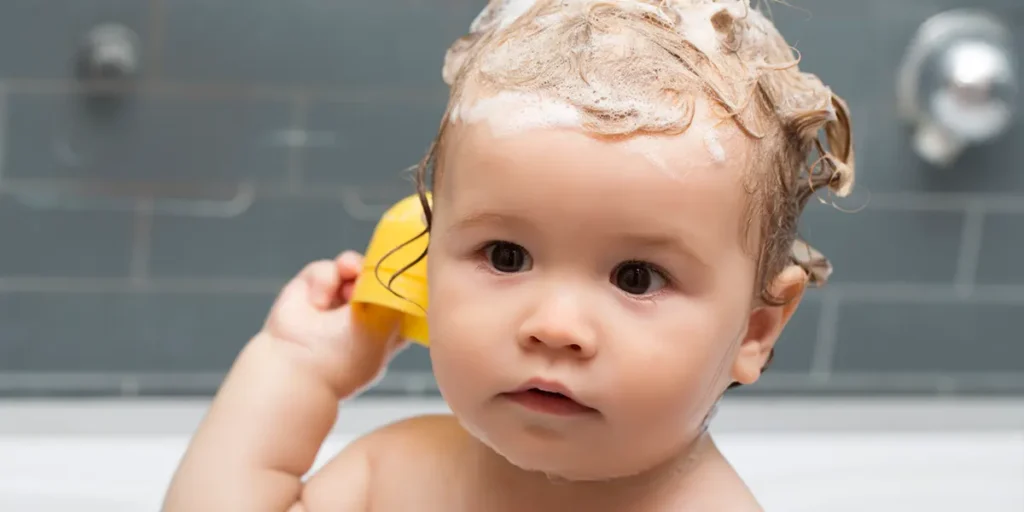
x=794 y=351
x=111 y=332
x=413 y=359
x=1010 y=10
x=821 y=33
x=149 y=139
x=854 y=46
x=898 y=22
x=275 y=238
x=373 y=143
x=885 y=246
x=1002 y=251
x=40 y=39
x=310 y=42
x=64 y=243
x=813 y=11
x=934 y=337
x=887 y=161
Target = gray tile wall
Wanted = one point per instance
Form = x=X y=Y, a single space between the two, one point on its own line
x=143 y=239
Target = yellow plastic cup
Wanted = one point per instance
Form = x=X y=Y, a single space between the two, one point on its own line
x=408 y=291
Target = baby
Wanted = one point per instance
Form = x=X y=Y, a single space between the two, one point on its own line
x=615 y=193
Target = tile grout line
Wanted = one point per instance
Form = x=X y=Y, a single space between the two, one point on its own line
x=929 y=293
x=299 y=137
x=185 y=285
x=299 y=120
x=970 y=248
x=407 y=95
x=155 y=40
x=952 y=202
x=3 y=130
x=142 y=240
x=827 y=337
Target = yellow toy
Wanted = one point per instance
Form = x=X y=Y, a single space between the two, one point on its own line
x=400 y=224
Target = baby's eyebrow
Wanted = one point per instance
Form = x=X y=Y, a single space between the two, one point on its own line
x=477 y=219
x=667 y=243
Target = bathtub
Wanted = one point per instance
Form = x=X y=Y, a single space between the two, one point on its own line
x=797 y=456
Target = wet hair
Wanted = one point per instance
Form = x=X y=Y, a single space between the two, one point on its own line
x=633 y=67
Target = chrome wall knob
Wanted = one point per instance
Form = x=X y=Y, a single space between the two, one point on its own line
x=109 y=52
x=958 y=83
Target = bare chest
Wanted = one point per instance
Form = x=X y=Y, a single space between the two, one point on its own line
x=432 y=494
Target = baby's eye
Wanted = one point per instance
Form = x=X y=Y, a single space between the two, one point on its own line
x=507 y=257
x=638 y=278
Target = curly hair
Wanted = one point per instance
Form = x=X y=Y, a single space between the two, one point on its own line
x=638 y=66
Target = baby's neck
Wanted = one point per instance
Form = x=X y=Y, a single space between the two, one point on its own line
x=699 y=478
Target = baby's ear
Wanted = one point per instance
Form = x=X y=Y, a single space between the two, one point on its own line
x=766 y=323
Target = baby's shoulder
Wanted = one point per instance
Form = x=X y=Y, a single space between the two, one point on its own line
x=416 y=464
x=400 y=466
x=421 y=436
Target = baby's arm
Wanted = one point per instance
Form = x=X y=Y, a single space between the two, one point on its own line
x=279 y=402
x=260 y=436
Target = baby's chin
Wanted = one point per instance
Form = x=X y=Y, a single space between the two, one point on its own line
x=567 y=472
x=557 y=468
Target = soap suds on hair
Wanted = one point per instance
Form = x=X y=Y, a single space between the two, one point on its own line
x=513 y=112
x=509 y=113
x=501 y=15
x=633 y=68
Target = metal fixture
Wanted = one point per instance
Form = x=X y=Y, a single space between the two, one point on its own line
x=958 y=83
x=109 y=52
x=107 y=62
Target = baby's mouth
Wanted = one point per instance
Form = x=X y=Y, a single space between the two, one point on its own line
x=548 y=402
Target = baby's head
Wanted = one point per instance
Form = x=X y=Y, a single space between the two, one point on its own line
x=616 y=189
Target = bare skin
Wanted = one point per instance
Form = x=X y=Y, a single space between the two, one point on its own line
x=277 y=405
x=651 y=365
x=279 y=401
x=590 y=298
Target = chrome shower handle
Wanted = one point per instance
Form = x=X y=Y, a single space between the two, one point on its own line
x=109 y=52
x=958 y=83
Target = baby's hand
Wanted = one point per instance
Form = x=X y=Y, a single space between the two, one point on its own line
x=313 y=314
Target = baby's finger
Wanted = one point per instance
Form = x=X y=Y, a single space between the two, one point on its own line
x=350 y=264
x=347 y=289
x=322 y=280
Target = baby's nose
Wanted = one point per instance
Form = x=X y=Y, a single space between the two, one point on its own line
x=560 y=325
x=581 y=349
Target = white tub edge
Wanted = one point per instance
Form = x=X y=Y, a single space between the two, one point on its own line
x=180 y=416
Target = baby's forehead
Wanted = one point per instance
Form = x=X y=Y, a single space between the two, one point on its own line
x=483 y=125
x=575 y=190
x=663 y=174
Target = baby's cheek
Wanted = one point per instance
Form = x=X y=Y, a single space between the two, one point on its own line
x=670 y=377
x=666 y=386
x=452 y=362
x=462 y=338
